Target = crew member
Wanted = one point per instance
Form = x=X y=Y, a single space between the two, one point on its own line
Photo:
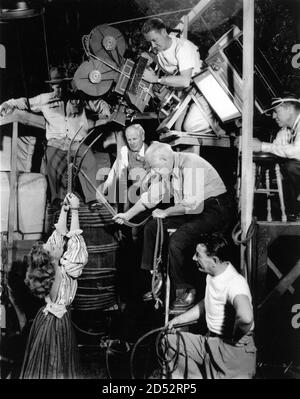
x=201 y=205
x=286 y=112
x=129 y=165
x=64 y=116
x=227 y=350
x=179 y=61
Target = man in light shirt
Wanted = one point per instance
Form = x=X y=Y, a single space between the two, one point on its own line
x=286 y=112
x=227 y=351
x=65 y=115
x=179 y=61
x=200 y=205
x=129 y=166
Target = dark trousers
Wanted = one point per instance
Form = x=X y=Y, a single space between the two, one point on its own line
x=215 y=216
x=56 y=166
x=291 y=185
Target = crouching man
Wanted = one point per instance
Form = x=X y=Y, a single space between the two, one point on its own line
x=227 y=350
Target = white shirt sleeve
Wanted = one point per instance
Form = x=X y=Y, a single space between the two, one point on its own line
x=118 y=168
x=188 y=57
x=238 y=286
x=193 y=190
x=281 y=148
x=35 y=103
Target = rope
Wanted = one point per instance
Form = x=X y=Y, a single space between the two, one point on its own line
x=70 y=164
x=157 y=263
x=108 y=206
x=237 y=232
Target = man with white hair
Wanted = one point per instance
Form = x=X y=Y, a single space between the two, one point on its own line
x=201 y=205
x=130 y=164
x=286 y=112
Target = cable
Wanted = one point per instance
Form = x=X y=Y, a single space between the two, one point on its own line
x=137 y=344
x=46 y=46
x=85 y=331
x=150 y=16
x=163 y=362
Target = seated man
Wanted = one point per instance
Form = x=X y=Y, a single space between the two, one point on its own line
x=286 y=112
x=179 y=60
x=129 y=165
x=201 y=205
x=228 y=349
x=65 y=115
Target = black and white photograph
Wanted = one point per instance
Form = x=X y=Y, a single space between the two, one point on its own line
x=150 y=192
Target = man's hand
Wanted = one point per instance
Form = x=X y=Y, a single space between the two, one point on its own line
x=256 y=145
x=120 y=218
x=104 y=109
x=172 y=323
x=150 y=76
x=159 y=213
x=6 y=109
x=148 y=56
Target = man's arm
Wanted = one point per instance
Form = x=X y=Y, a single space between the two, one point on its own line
x=181 y=80
x=100 y=106
x=243 y=318
x=137 y=208
x=33 y=104
x=175 y=210
x=191 y=315
x=281 y=150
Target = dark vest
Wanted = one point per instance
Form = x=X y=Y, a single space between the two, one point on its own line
x=133 y=162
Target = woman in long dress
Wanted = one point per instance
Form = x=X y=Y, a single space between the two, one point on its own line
x=53 y=268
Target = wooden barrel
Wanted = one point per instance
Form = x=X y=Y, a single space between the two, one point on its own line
x=97 y=283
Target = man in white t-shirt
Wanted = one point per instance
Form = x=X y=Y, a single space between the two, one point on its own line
x=179 y=60
x=227 y=350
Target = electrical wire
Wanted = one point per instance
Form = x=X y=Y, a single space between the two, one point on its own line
x=150 y=16
x=161 y=357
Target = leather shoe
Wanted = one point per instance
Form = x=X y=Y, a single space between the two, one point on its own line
x=185 y=299
x=148 y=296
x=293 y=217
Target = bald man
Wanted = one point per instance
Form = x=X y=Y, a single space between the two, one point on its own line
x=201 y=205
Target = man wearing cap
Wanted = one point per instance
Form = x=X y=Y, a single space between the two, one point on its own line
x=65 y=116
x=286 y=112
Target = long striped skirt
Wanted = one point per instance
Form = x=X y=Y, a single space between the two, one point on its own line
x=51 y=350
